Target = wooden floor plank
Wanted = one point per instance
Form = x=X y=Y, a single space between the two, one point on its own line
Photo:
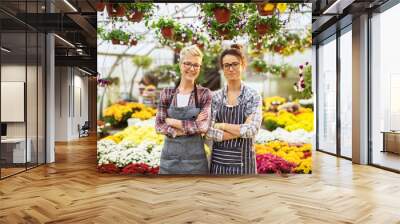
x=71 y=191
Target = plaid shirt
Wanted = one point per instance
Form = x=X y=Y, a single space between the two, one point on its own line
x=190 y=127
x=253 y=104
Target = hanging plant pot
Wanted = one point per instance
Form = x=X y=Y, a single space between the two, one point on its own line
x=100 y=6
x=258 y=69
x=199 y=45
x=224 y=33
x=115 y=41
x=259 y=46
x=283 y=75
x=278 y=48
x=135 y=16
x=115 y=10
x=262 y=28
x=177 y=50
x=265 y=9
x=222 y=15
x=133 y=42
x=167 y=32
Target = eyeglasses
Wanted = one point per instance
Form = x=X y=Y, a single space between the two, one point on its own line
x=233 y=65
x=194 y=66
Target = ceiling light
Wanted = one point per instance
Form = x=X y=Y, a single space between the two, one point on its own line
x=70 y=5
x=5 y=50
x=338 y=6
x=64 y=40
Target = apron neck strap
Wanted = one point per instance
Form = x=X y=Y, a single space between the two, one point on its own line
x=196 y=101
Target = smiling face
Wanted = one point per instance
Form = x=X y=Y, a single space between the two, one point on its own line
x=190 y=67
x=232 y=66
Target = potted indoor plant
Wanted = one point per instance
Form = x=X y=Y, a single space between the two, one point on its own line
x=118 y=37
x=100 y=5
x=166 y=26
x=220 y=11
x=265 y=8
x=259 y=26
x=200 y=40
x=136 y=11
x=259 y=65
x=182 y=33
x=115 y=9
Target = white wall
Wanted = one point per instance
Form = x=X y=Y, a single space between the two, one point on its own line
x=71 y=102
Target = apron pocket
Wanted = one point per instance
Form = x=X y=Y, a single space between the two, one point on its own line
x=227 y=156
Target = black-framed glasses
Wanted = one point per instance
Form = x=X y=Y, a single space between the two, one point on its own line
x=189 y=64
x=234 y=65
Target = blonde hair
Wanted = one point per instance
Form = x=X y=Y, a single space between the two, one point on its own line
x=190 y=50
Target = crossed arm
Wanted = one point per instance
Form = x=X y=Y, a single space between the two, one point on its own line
x=226 y=131
x=174 y=127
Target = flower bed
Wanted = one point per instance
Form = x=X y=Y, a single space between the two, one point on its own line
x=118 y=114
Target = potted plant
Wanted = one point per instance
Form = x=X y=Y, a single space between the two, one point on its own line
x=259 y=65
x=182 y=33
x=266 y=9
x=220 y=11
x=115 y=9
x=259 y=26
x=100 y=6
x=134 y=39
x=136 y=11
x=118 y=37
x=200 y=40
x=278 y=45
x=166 y=26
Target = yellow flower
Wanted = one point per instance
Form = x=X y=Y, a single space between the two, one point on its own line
x=281 y=7
x=269 y=7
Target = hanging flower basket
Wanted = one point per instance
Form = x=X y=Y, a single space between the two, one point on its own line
x=133 y=42
x=167 y=32
x=278 y=48
x=115 y=10
x=262 y=28
x=100 y=6
x=135 y=16
x=224 y=33
x=222 y=15
x=265 y=9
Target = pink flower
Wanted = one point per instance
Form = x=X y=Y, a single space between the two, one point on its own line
x=268 y=163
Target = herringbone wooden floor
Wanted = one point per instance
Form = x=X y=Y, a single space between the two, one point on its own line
x=71 y=191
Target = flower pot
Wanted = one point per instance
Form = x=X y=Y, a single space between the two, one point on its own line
x=224 y=34
x=265 y=9
x=258 y=69
x=100 y=6
x=133 y=42
x=222 y=15
x=167 y=32
x=115 y=41
x=135 y=16
x=115 y=10
x=262 y=28
x=278 y=48
x=259 y=46
x=177 y=50
x=199 y=45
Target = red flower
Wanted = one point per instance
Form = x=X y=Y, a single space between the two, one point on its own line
x=269 y=163
x=108 y=168
x=139 y=168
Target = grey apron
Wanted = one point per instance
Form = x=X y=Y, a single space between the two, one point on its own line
x=184 y=154
x=235 y=156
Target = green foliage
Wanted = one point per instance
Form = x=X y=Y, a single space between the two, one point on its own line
x=118 y=35
x=271 y=125
x=273 y=22
x=143 y=62
x=140 y=7
x=164 y=22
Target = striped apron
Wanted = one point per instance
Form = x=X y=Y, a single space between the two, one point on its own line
x=235 y=156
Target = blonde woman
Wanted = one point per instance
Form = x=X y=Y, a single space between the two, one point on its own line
x=236 y=119
x=178 y=119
